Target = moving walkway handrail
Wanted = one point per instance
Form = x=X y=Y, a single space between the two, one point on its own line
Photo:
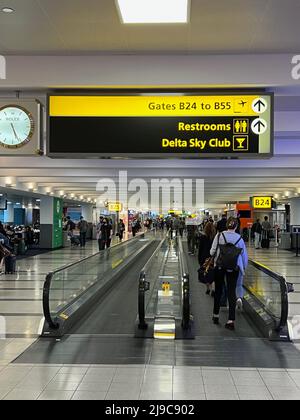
x=144 y=286
x=283 y=289
x=47 y=284
x=185 y=288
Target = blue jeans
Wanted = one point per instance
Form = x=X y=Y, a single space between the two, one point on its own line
x=239 y=286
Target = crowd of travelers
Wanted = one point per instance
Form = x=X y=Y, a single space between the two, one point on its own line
x=16 y=240
x=223 y=259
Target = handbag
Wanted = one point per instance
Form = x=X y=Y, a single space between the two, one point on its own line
x=206 y=271
x=4 y=252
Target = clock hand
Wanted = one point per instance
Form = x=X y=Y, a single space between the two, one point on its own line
x=14 y=132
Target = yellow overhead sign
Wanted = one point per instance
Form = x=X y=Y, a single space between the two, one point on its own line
x=115 y=207
x=156 y=106
x=138 y=125
x=262 y=202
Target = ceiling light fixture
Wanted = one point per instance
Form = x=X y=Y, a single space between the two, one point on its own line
x=154 y=11
x=7 y=10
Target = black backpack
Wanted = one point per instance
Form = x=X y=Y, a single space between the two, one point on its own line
x=229 y=255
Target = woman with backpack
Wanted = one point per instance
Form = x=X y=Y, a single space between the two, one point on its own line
x=231 y=260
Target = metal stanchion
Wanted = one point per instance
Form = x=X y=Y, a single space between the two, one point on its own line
x=297 y=244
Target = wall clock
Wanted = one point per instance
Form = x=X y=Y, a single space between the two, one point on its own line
x=16 y=126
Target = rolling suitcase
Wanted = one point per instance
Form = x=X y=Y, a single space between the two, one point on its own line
x=265 y=241
x=75 y=241
x=10 y=264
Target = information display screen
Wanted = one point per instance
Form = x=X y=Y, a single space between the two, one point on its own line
x=225 y=125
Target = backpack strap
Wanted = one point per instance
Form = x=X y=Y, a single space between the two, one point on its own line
x=224 y=238
x=238 y=241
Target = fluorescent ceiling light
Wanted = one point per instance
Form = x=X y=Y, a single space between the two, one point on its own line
x=7 y=10
x=154 y=11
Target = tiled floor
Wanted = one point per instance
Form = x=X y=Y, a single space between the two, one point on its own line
x=141 y=382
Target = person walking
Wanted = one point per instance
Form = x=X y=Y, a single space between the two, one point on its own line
x=191 y=238
x=98 y=232
x=105 y=236
x=205 y=244
x=266 y=230
x=257 y=231
x=231 y=258
x=83 y=228
x=181 y=226
x=70 y=226
x=221 y=225
x=120 y=229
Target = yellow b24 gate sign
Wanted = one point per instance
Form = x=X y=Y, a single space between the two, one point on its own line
x=262 y=202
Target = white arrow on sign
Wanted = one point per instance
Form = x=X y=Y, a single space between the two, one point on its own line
x=259 y=105
x=259 y=126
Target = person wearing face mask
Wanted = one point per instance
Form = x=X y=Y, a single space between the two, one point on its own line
x=105 y=234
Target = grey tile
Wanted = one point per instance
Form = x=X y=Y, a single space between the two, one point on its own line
x=240 y=381
x=132 y=380
x=44 y=370
x=88 y=395
x=148 y=395
x=21 y=394
x=245 y=374
x=102 y=371
x=130 y=371
x=122 y=387
x=69 y=377
x=224 y=397
x=283 y=397
x=254 y=397
x=284 y=382
x=73 y=370
x=284 y=392
x=33 y=384
x=218 y=381
x=94 y=386
x=221 y=389
x=123 y=395
x=62 y=386
x=259 y=390
x=188 y=396
x=4 y=392
x=188 y=387
x=159 y=387
x=56 y=395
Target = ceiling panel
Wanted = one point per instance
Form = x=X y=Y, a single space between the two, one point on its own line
x=77 y=26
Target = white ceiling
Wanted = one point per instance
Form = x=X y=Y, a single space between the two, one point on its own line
x=93 y=26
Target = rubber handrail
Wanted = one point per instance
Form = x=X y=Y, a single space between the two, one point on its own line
x=142 y=289
x=49 y=277
x=283 y=290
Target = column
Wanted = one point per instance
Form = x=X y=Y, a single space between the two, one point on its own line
x=51 y=235
x=9 y=214
x=295 y=211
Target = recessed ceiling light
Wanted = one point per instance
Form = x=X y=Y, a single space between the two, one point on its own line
x=7 y=10
x=153 y=11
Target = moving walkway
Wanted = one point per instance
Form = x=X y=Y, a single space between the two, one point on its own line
x=99 y=295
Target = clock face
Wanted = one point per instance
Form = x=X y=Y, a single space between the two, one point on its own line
x=16 y=126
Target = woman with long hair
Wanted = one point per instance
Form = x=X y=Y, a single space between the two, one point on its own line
x=205 y=243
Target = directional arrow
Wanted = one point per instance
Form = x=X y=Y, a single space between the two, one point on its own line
x=260 y=125
x=259 y=104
